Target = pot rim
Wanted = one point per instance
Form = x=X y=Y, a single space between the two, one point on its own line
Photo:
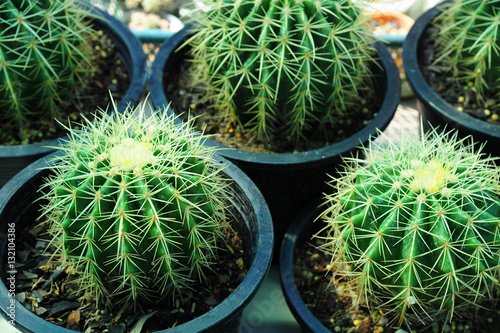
x=300 y=160
x=135 y=62
x=295 y=232
x=262 y=244
x=426 y=95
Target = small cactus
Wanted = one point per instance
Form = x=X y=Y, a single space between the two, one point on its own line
x=416 y=227
x=470 y=41
x=135 y=206
x=282 y=67
x=42 y=57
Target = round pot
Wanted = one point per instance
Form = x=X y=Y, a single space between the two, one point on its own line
x=14 y=158
x=287 y=181
x=300 y=230
x=18 y=207
x=432 y=107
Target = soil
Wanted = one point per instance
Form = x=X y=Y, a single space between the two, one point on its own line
x=46 y=289
x=188 y=101
x=333 y=306
x=93 y=93
x=460 y=94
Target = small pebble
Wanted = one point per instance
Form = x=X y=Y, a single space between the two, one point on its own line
x=40 y=310
x=37 y=296
x=63 y=306
x=21 y=297
x=118 y=328
x=461 y=99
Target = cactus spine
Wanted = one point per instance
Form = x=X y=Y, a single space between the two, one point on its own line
x=282 y=67
x=470 y=41
x=135 y=206
x=41 y=56
x=416 y=226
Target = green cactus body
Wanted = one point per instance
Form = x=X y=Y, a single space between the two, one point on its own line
x=470 y=38
x=137 y=204
x=282 y=66
x=417 y=226
x=41 y=56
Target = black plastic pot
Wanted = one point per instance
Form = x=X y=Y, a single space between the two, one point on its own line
x=432 y=107
x=250 y=208
x=300 y=230
x=287 y=181
x=16 y=157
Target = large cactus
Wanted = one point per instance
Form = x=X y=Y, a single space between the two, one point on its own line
x=470 y=39
x=282 y=66
x=41 y=56
x=135 y=206
x=416 y=226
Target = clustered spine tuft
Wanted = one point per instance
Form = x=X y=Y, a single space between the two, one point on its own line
x=416 y=227
x=470 y=42
x=282 y=67
x=43 y=56
x=135 y=206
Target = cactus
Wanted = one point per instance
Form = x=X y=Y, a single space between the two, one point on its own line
x=42 y=57
x=470 y=42
x=282 y=67
x=135 y=206
x=416 y=227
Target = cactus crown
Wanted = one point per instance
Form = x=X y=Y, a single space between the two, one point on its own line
x=470 y=41
x=416 y=227
x=42 y=56
x=135 y=206
x=282 y=67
